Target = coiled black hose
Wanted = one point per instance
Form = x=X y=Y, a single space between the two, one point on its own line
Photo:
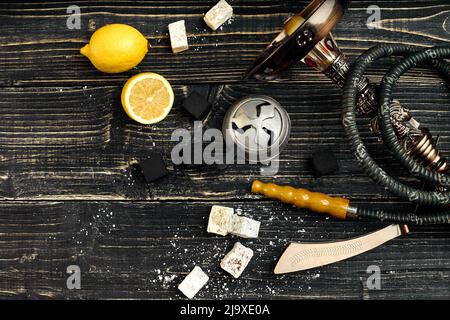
x=433 y=56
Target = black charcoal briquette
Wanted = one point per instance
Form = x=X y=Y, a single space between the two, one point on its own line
x=324 y=162
x=153 y=168
x=196 y=105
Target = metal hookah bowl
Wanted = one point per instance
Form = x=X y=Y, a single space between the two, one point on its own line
x=258 y=126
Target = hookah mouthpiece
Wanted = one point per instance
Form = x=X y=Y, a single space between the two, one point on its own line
x=305 y=199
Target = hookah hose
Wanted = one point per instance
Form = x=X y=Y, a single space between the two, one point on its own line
x=343 y=208
x=412 y=57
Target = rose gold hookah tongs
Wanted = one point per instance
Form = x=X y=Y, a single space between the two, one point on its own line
x=304 y=256
x=307 y=37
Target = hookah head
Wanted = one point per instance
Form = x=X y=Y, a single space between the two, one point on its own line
x=305 y=36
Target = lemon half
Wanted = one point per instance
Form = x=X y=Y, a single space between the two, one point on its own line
x=147 y=98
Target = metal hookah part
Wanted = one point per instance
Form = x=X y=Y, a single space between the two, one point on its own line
x=327 y=58
x=307 y=37
x=258 y=126
x=416 y=140
x=299 y=36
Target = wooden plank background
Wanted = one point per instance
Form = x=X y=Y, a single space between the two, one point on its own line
x=70 y=192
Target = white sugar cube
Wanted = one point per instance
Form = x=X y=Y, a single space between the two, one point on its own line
x=223 y=221
x=178 y=37
x=237 y=260
x=193 y=282
x=220 y=220
x=244 y=227
x=218 y=14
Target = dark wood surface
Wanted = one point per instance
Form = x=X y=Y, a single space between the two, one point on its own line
x=70 y=192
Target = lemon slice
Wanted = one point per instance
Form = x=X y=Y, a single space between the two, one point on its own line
x=147 y=98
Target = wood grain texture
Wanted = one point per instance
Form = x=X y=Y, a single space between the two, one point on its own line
x=77 y=143
x=143 y=250
x=71 y=192
x=39 y=39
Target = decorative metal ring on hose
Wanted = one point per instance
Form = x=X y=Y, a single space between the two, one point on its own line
x=413 y=57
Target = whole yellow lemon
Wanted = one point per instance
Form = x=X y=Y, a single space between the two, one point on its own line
x=116 y=48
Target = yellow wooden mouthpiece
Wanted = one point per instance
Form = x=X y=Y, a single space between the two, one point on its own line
x=305 y=199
